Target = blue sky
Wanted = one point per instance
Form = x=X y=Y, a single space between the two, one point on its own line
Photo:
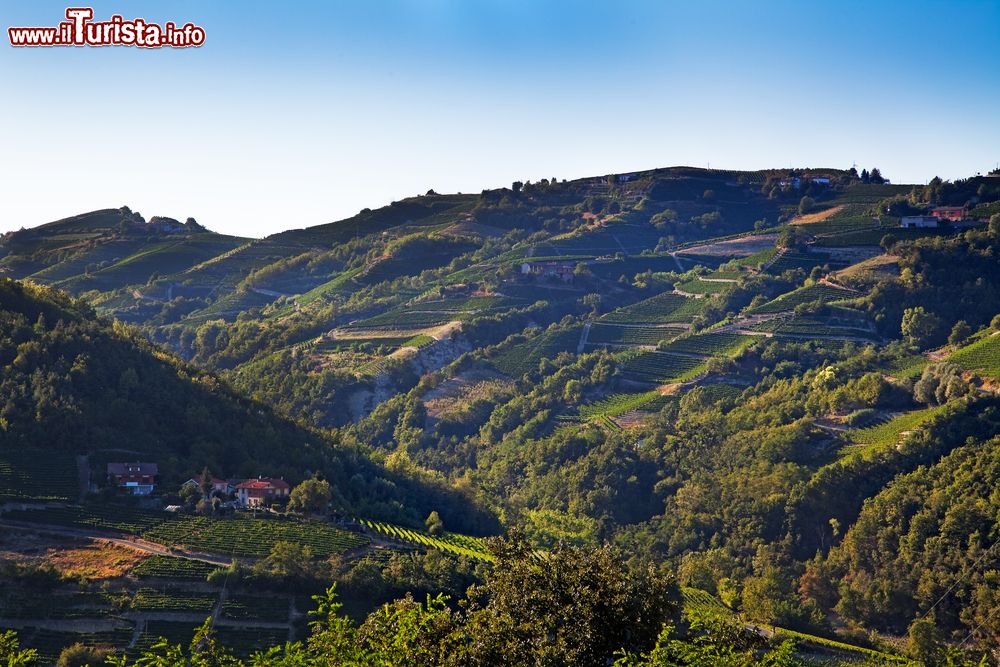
x=295 y=114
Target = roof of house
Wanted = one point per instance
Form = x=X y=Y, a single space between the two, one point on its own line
x=949 y=208
x=137 y=468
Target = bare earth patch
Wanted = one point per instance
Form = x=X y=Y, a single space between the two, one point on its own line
x=96 y=560
x=91 y=559
x=743 y=246
x=464 y=388
x=819 y=216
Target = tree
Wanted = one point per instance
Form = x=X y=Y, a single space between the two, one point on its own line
x=11 y=653
x=939 y=383
x=79 y=655
x=578 y=606
x=806 y=204
x=959 y=333
x=865 y=176
x=919 y=326
x=516 y=186
x=876 y=176
x=205 y=482
x=293 y=564
x=994 y=226
x=995 y=323
x=311 y=496
x=435 y=526
x=923 y=641
x=573 y=391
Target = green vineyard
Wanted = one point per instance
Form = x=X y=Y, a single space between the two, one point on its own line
x=453 y=543
x=817 y=292
x=661 y=367
x=245 y=537
x=983 y=357
x=167 y=567
x=710 y=344
x=615 y=334
x=661 y=309
x=29 y=475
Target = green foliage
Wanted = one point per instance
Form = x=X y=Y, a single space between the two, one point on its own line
x=311 y=496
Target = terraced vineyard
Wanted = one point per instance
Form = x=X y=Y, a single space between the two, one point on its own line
x=30 y=475
x=519 y=359
x=255 y=608
x=660 y=309
x=237 y=537
x=613 y=334
x=252 y=537
x=799 y=325
x=453 y=543
x=160 y=601
x=661 y=367
x=615 y=405
x=701 y=604
x=49 y=643
x=817 y=292
x=791 y=259
x=710 y=344
x=121 y=518
x=889 y=431
x=982 y=356
x=698 y=286
x=167 y=567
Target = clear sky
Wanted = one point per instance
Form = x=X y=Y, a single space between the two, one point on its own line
x=299 y=113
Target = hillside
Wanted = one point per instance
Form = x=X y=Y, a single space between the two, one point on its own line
x=759 y=380
x=78 y=385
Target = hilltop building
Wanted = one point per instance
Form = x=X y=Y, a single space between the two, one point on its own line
x=137 y=479
x=258 y=492
x=561 y=270
x=952 y=213
x=921 y=221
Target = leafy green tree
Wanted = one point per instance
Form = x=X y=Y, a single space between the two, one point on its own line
x=920 y=326
x=11 y=653
x=79 y=655
x=311 y=496
x=434 y=524
x=923 y=641
x=806 y=204
x=574 y=607
x=959 y=333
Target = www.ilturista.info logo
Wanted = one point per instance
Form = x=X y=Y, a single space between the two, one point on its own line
x=81 y=30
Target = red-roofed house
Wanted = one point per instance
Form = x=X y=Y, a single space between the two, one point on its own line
x=953 y=213
x=260 y=491
x=139 y=479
